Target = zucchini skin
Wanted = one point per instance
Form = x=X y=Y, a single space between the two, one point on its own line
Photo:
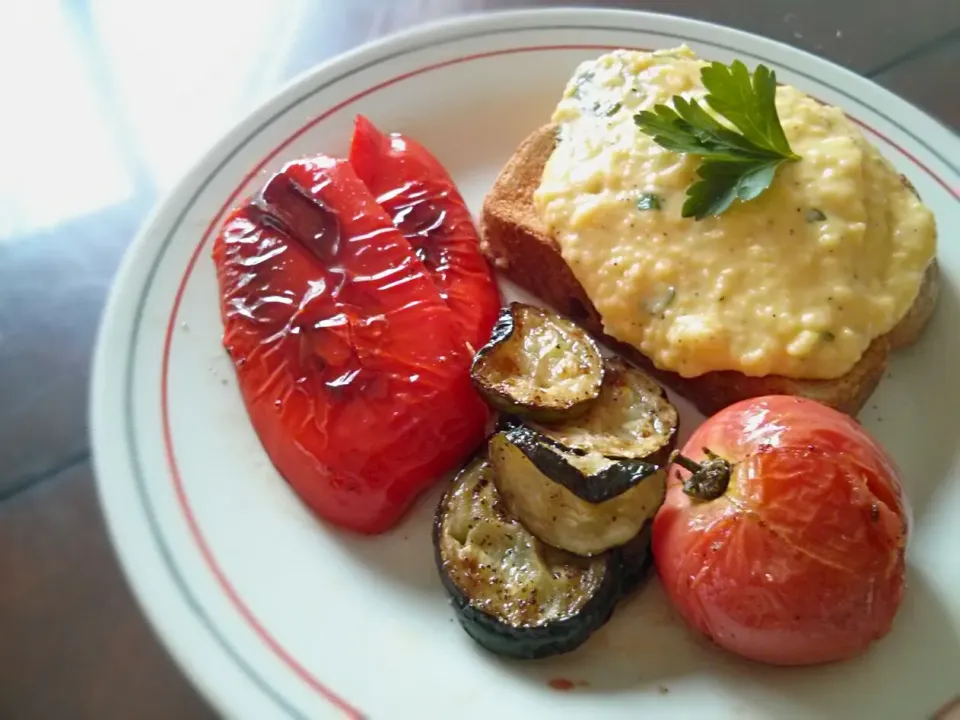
x=587 y=508
x=636 y=559
x=502 y=400
x=526 y=642
x=533 y=643
x=622 y=475
x=587 y=432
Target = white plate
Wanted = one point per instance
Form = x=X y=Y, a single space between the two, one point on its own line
x=275 y=615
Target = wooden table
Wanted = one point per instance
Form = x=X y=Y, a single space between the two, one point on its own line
x=104 y=105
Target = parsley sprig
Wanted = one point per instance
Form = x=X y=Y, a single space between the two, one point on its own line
x=734 y=165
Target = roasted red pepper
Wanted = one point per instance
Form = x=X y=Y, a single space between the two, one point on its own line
x=420 y=196
x=352 y=367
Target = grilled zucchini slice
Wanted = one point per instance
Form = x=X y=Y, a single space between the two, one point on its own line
x=636 y=559
x=512 y=594
x=538 y=365
x=632 y=418
x=586 y=504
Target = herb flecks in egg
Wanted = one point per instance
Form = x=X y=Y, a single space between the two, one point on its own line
x=649 y=201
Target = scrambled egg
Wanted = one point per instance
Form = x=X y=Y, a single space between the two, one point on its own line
x=797 y=282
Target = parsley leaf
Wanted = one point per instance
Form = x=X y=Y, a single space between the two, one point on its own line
x=734 y=165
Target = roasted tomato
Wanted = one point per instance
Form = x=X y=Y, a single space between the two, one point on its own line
x=786 y=542
x=416 y=191
x=350 y=363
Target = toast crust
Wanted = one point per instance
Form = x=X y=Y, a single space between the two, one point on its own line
x=516 y=242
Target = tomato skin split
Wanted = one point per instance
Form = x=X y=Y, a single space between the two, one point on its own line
x=420 y=196
x=801 y=560
x=350 y=364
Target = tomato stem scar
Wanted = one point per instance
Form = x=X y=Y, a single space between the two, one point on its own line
x=708 y=480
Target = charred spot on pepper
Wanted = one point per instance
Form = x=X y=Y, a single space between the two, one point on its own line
x=327 y=352
x=287 y=207
x=424 y=226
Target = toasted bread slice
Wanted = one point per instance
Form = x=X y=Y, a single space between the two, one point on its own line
x=516 y=241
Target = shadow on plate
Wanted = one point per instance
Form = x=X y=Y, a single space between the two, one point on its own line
x=646 y=649
x=915 y=413
x=403 y=555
